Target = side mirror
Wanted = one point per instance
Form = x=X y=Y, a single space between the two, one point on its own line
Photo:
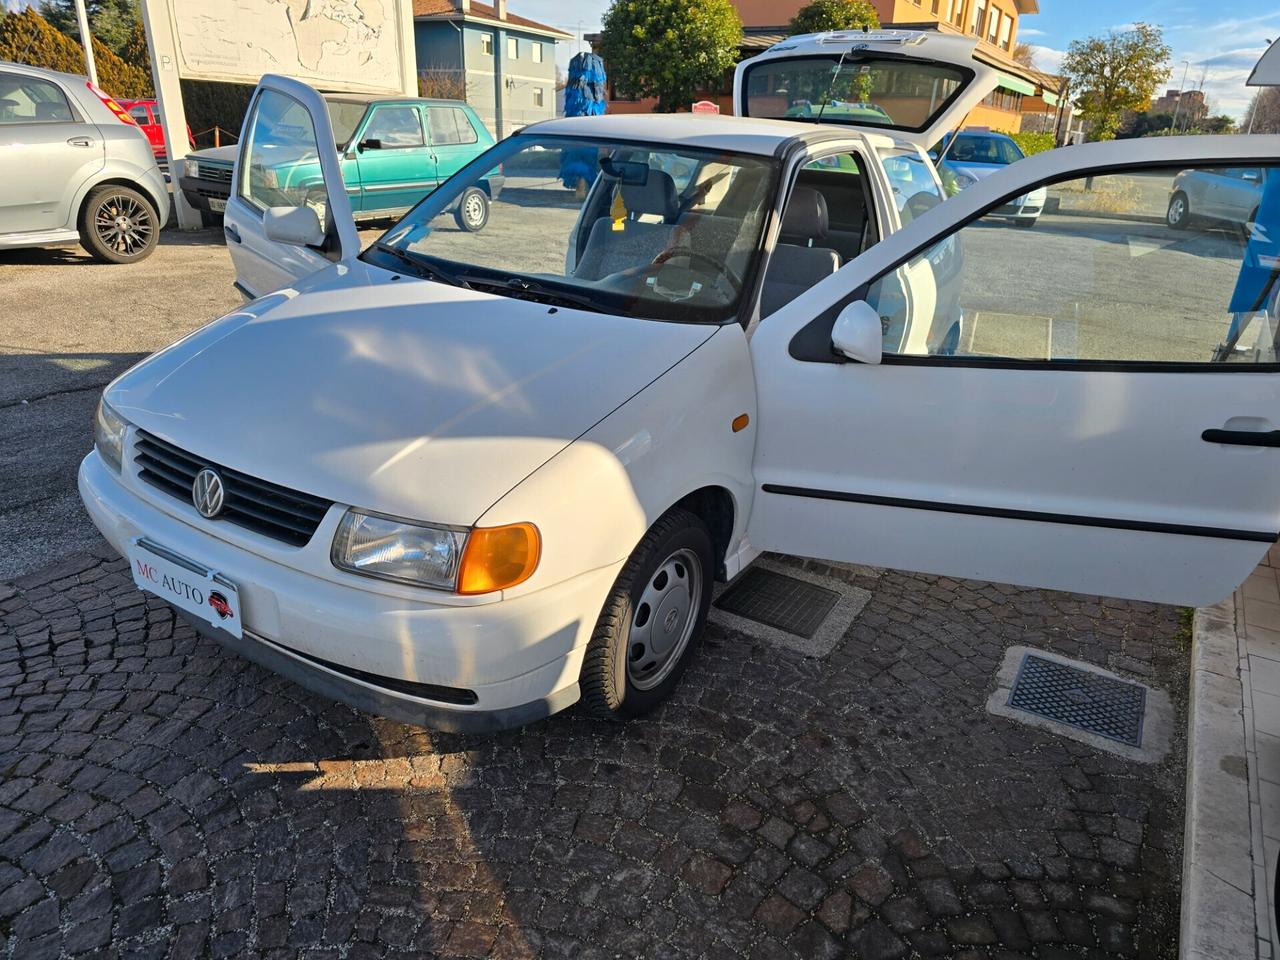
x=296 y=226
x=857 y=333
x=373 y=144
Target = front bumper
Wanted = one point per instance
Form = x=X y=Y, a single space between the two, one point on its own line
x=199 y=192
x=373 y=646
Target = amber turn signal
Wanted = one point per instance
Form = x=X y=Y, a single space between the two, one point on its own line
x=740 y=422
x=498 y=558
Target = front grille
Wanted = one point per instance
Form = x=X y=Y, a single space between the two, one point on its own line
x=265 y=508
x=213 y=171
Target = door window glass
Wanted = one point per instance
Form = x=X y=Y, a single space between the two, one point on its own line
x=281 y=162
x=140 y=115
x=915 y=188
x=1124 y=267
x=395 y=127
x=32 y=100
x=449 y=126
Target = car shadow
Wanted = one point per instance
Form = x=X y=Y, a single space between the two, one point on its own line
x=75 y=254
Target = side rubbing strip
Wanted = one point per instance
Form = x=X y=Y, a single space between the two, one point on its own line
x=1185 y=530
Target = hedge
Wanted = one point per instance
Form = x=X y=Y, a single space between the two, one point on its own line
x=29 y=38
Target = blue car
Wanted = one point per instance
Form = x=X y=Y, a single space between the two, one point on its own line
x=968 y=156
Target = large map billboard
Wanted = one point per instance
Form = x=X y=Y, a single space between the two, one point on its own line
x=346 y=45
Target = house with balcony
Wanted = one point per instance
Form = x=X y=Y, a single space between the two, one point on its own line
x=501 y=63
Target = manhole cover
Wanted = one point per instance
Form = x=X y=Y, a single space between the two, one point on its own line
x=1096 y=704
x=779 y=601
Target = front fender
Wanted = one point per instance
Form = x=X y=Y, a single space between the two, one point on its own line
x=594 y=500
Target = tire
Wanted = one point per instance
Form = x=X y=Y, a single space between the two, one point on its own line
x=472 y=214
x=1026 y=223
x=664 y=588
x=118 y=224
x=1179 y=214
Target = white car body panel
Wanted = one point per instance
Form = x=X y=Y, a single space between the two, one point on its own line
x=1266 y=73
x=1119 y=446
x=385 y=392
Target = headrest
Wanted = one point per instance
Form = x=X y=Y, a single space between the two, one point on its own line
x=656 y=196
x=805 y=218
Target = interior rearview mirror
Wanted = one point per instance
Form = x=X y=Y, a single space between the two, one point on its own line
x=297 y=226
x=857 y=333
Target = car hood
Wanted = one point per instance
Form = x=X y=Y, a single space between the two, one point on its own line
x=403 y=396
x=225 y=154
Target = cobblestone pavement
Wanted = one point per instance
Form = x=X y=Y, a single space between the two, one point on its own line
x=159 y=797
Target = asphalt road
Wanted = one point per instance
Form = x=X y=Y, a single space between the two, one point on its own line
x=71 y=326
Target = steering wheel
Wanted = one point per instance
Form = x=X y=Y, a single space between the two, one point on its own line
x=716 y=266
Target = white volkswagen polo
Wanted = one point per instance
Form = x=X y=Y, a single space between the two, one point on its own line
x=467 y=480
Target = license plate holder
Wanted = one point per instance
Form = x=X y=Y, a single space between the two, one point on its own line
x=186 y=584
x=217 y=205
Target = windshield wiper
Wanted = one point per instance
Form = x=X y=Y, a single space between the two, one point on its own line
x=530 y=290
x=423 y=268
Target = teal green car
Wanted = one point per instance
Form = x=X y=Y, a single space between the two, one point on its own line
x=394 y=152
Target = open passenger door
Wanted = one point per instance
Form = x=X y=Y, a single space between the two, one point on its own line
x=1092 y=405
x=288 y=214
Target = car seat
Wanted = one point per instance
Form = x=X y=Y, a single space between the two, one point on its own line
x=798 y=262
x=639 y=242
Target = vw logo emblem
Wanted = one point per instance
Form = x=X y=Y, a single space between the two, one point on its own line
x=207 y=493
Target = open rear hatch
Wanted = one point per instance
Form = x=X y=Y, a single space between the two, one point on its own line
x=1267 y=71
x=917 y=84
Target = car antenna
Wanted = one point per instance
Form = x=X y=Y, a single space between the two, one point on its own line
x=835 y=75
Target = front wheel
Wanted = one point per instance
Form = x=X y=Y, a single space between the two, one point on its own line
x=119 y=225
x=651 y=620
x=473 y=210
x=1179 y=215
x=1026 y=223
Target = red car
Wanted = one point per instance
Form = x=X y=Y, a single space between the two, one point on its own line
x=146 y=114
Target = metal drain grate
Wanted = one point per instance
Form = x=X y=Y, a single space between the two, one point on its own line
x=779 y=601
x=1098 y=705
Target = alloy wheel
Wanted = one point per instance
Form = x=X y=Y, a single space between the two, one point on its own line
x=123 y=224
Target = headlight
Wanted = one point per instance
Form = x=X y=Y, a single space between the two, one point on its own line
x=964 y=181
x=482 y=560
x=389 y=549
x=108 y=435
x=190 y=167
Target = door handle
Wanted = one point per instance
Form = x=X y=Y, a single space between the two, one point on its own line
x=232 y=233
x=1243 y=438
x=81 y=141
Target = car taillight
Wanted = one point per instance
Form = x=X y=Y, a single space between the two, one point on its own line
x=121 y=113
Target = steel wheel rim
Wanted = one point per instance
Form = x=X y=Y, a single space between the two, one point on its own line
x=473 y=210
x=663 y=620
x=123 y=224
x=1177 y=209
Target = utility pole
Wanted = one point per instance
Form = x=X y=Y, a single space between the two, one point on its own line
x=82 y=18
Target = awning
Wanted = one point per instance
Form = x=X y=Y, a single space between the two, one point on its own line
x=1050 y=98
x=1017 y=85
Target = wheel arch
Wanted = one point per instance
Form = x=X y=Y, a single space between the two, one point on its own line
x=117 y=181
x=715 y=507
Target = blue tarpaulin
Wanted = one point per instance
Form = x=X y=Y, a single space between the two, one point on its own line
x=1261 y=263
x=585 y=95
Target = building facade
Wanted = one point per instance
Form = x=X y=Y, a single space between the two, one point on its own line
x=503 y=64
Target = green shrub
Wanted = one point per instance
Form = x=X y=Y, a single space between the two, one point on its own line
x=28 y=38
x=1033 y=143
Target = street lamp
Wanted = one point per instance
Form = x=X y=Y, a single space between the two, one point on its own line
x=1181 y=89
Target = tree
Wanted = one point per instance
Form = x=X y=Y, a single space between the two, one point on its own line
x=27 y=37
x=822 y=15
x=1024 y=54
x=110 y=21
x=1114 y=73
x=1263 y=113
x=670 y=49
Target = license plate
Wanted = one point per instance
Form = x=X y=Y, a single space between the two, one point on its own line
x=185 y=584
x=216 y=205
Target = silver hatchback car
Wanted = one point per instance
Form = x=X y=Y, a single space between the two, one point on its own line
x=75 y=167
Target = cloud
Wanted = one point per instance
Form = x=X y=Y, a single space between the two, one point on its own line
x=1030 y=32
x=1048 y=59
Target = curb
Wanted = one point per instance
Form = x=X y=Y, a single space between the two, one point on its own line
x=1217 y=863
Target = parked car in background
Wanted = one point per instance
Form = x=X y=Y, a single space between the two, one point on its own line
x=394 y=152
x=1230 y=195
x=146 y=114
x=971 y=155
x=74 y=166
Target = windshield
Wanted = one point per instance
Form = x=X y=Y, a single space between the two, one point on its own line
x=994 y=150
x=639 y=229
x=344 y=115
x=905 y=94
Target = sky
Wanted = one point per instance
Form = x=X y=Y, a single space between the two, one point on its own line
x=1220 y=43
